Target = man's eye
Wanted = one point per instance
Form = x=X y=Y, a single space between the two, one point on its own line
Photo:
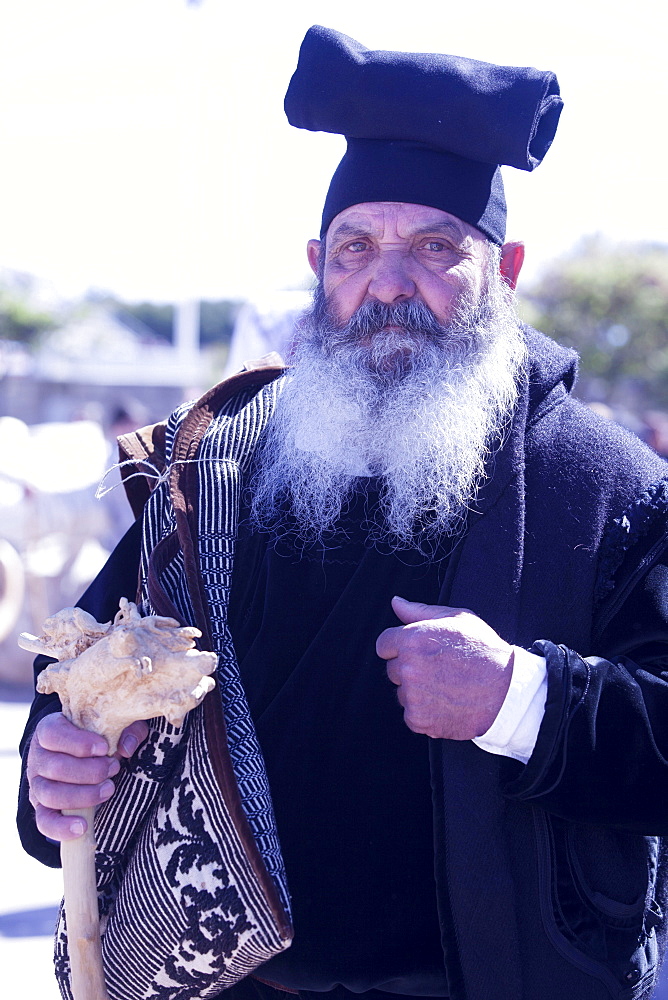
x=434 y=246
x=358 y=246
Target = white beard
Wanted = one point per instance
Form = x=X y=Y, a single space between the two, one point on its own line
x=419 y=410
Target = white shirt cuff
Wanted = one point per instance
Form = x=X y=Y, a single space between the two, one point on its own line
x=515 y=730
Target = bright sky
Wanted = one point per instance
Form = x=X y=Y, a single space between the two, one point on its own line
x=144 y=149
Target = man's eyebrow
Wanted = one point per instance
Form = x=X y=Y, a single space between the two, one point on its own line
x=348 y=229
x=444 y=227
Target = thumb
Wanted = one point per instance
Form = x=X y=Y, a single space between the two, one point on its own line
x=412 y=611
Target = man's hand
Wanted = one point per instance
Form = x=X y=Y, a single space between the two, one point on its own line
x=68 y=769
x=451 y=669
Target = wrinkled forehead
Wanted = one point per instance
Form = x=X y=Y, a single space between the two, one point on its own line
x=394 y=220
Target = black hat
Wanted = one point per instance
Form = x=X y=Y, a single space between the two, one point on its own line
x=423 y=128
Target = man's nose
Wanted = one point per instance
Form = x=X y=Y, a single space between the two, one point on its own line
x=391 y=281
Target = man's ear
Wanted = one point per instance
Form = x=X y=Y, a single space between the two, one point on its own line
x=313 y=253
x=512 y=258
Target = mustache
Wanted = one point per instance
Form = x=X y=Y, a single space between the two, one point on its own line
x=411 y=316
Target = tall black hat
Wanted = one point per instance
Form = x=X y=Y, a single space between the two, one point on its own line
x=423 y=128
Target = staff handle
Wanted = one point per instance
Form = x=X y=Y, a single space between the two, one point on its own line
x=81 y=911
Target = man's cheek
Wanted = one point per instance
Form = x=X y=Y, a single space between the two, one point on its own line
x=344 y=297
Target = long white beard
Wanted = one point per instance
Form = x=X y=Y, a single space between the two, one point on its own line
x=419 y=410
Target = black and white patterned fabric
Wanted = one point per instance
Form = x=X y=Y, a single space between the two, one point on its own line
x=184 y=914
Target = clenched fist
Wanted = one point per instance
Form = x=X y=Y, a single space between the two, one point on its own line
x=451 y=669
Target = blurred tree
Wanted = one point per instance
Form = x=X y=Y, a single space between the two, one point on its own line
x=18 y=321
x=216 y=318
x=21 y=319
x=158 y=317
x=217 y=321
x=610 y=303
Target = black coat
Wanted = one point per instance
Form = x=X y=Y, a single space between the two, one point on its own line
x=567 y=553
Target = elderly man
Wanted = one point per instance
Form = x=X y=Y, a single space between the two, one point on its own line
x=486 y=826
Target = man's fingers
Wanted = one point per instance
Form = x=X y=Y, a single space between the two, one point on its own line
x=58 y=734
x=62 y=795
x=58 y=827
x=64 y=767
x=394 y=672
x=409 y=613
x=413 y=611
x=131 y=738
x=387 y=643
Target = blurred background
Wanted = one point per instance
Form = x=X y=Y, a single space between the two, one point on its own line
x=155 y=206
x=154 y=210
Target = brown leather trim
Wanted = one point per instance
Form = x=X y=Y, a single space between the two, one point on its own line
x=160 y=557
x=254 y=378
x=184 y=492
x=214 y=719
x=216 y=737
x=271 y=360
x=184 y=480
x=147 y=444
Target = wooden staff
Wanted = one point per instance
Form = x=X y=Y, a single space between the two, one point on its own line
x=107 y=677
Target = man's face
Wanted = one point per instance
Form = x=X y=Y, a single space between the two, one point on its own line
x=404 y=370
x=393 y=252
